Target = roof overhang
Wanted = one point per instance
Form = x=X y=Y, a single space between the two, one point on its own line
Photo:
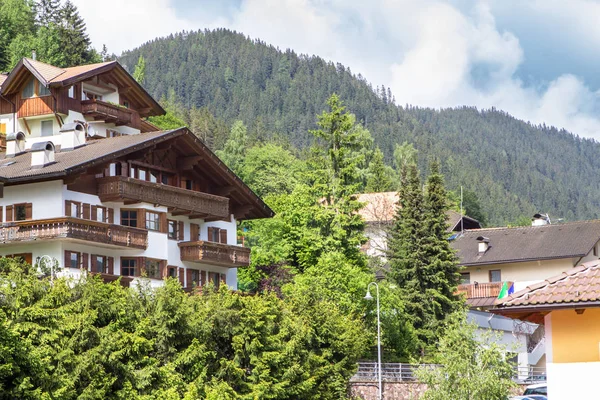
x=514 y=261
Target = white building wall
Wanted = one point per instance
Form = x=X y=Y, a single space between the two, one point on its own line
x=567 y=381
x=8 y=119
x=46 y=198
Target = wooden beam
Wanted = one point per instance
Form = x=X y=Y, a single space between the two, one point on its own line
x=180 y=212
x=225 y=190
x=242 y=211
x=198 y=216
x=130 y=202
x=125 y=90
x=59 y=120
x=144 y=110
x=27 y=126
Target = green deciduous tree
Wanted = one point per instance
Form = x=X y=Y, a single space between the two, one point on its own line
x=140 y=70
x=472 y=367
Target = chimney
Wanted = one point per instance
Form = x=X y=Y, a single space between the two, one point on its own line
x=484 y=244
x=42 y=154
x=540 y=220
x=33 y=55
x=72 y=136
x=15 y=144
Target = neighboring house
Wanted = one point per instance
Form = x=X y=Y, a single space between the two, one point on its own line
x=379 y=211
x=85 y=180
x=519 y=257
x=568 y=305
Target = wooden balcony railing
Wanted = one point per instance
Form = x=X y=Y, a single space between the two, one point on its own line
x=214 y=253
x=35 y=106
x=107 y=112
x=120 y=188
x=74 y=228
x=479 y=290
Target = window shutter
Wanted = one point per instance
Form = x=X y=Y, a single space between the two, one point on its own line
x=110 y=268
x=111 y=215
x=210 y=234
x=181 y=277
x=85 y=261
x=164 y=271
x=141 y=266
x=224 y=278
x=94 y=211
x=67 y=262
x=194 y=232
x=9 y=213
x=223 y=236
x=141 y=218
x=28 y=211
x=163 y=228
x=86 y=211
x=180 y=230
x=188 y=276
x=68 y=208
x=1 y=213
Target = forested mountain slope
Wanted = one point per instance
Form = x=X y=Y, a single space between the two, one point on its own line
x=515 y=168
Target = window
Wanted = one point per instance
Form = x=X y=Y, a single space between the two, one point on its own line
x=142 y=174
x=173 y=228
x=43 y=90
x=75 y=210
x=29 y=89
x=187 y=184
x=114 y=169
x=154 y=175
x=100 y=214
x=75 y=259
x=128 y=266
x=129 y=218
x=495 y=275
x=126 y=103
x=152 y=221
x=465 y=278
x=166 y=179
x=19 y=212
x=71 y=92
x=99 y=264
x=91 y=96
x=195 y=278
x=152 y=268
x=3 y=128
x=217 y=235
x=47 y=128
x=172 y=272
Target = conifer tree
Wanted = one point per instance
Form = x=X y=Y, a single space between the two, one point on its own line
x=421 y=260
x=378 y=175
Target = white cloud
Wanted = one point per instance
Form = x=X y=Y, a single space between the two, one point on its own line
x=429 y=52
x=125 y=24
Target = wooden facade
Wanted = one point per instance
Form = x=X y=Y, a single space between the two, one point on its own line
x=214 y=253
x=74 y=228
x=480 y=290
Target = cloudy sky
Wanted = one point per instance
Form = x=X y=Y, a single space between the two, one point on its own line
x=536 y=59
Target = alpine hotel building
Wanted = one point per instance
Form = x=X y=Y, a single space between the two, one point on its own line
x=85 y=180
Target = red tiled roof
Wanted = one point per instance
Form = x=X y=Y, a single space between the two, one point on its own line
x=576 y=286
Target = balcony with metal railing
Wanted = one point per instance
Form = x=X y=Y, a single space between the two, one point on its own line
x=76 y=229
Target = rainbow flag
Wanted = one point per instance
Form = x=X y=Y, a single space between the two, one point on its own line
x=505 y=291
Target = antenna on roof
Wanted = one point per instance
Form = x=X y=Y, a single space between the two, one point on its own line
x=33 y=55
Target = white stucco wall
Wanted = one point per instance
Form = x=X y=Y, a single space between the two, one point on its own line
x=567 y=381
x=8 y=120
x=46 y=198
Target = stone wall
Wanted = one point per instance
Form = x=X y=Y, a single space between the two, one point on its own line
x=391 y=390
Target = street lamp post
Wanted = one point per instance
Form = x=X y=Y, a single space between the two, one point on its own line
x=369 y=297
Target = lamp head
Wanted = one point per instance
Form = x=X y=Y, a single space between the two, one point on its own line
x=368 y=296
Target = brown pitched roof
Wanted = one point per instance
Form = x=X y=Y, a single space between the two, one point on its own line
x=381 y=208
x=50 y=75
x=18 y=169
x=577 y=287
x=507 y=245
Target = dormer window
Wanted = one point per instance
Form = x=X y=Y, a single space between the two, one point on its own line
x=29 y=89
x=34 y=88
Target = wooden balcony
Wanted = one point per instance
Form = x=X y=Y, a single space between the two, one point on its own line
x=74 y=228
x=34 y=106
x=224 y=255
x=110 y=113
x=201 y=205
x=107 y=278
x=481 y=290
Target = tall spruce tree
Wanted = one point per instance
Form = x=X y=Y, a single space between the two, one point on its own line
x=421 y=260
